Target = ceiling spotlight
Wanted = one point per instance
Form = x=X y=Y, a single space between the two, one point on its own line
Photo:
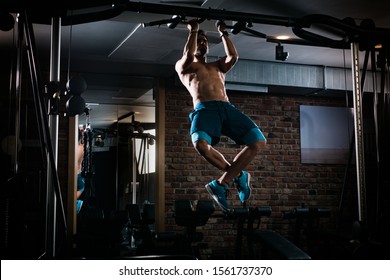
x=283 y=37
x=280 y=54
x=99 y=141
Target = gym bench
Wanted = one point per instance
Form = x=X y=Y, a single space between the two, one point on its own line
x=282 y=247
x=273 y=245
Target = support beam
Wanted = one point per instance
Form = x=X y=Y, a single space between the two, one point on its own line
x=359 y=141
x=72 y=181
x=51 y=200
x=160 y=154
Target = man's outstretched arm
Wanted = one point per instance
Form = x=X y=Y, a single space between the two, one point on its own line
x=231 y=53
x=189 y=47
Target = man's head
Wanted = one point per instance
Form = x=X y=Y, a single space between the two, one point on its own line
x=201 y=44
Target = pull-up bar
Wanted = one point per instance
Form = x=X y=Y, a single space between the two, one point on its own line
x=346 y=27
x=209 y=14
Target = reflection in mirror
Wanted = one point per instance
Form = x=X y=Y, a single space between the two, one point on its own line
x=136 y=160
x=123 y=155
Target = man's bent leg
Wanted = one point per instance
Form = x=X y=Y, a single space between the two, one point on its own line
x=218 y=190
x=242 y=160
x=211 y=155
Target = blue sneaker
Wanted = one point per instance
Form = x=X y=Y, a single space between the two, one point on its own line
x=242 y=184
x=219 y=194
x=78 y=205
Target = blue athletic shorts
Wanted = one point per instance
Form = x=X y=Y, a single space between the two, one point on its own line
x=211 y=119
x=80 y=182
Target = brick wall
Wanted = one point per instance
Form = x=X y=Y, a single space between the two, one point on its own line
x=279 y=179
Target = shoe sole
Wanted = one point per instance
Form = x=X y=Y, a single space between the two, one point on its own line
x=210 y=191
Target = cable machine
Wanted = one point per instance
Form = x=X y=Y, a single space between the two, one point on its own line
x=45 y=101
x=139 y=147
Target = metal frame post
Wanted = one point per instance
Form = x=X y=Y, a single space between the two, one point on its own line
x=51 y=199
x=359 y=140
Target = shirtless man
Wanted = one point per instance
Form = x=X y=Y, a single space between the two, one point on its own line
x=214 y=115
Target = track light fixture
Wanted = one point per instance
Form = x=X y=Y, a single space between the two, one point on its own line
x=280 y=54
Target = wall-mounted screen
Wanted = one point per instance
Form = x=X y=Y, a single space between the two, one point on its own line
x=326 y=134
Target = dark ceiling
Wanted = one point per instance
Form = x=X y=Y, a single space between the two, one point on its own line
x=119 y=49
